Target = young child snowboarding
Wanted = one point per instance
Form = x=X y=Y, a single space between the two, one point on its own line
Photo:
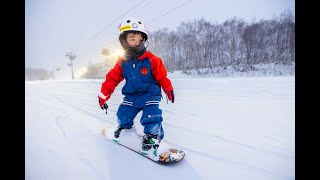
x=145 y=75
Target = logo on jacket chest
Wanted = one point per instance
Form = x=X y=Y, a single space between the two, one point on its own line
x=144 y=71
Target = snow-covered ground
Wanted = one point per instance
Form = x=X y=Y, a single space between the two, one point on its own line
x=230 y=128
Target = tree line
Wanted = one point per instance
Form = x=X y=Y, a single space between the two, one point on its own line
x=234 y=43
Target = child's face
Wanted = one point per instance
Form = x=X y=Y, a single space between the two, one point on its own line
x=134 y=39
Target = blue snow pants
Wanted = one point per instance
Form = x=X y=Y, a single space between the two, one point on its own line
x=151 y=118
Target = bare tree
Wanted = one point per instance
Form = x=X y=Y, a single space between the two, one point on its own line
x=200 y=44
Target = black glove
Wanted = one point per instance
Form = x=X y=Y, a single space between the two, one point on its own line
x=104 y=106
x=170 y=96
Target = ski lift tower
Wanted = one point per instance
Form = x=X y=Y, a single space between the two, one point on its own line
x=71 y=56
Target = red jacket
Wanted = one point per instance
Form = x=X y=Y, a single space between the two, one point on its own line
x=136 y=73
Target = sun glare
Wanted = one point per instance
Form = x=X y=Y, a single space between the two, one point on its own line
x=118 y=52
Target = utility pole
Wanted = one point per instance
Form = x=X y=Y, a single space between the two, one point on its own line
x=71 y=56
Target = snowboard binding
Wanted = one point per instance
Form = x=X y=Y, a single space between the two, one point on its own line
x=150 y=144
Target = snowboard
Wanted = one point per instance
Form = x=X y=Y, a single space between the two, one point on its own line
x=130 y=139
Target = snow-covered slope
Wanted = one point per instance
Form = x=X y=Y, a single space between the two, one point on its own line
x=230 y=128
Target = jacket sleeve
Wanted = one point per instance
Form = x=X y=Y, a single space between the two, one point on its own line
x=159 y=72
x=113 y=78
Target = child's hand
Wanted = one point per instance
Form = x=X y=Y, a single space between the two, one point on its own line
x=102 y=101
x=170 y=95
x=103 y=105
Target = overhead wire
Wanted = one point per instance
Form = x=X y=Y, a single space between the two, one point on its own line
x=145 y=5
x=131 y=15
x=172 y=10
x=115 y=20
x=153 y=20
x=175 y=8
x=98 y=33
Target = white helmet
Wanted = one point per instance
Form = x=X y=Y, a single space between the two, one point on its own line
x=132 y=24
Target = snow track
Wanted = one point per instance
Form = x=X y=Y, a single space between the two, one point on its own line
x=236 y=128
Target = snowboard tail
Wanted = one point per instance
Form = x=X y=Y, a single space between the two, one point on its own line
x=132 y=141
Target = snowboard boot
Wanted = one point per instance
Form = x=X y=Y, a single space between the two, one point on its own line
x=117 y=134
x=150 y=144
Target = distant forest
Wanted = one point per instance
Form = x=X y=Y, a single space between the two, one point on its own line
x=203 y=47
x=199 y=44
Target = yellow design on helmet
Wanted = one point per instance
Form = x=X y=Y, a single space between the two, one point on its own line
x=132 y=24
x=125 y=28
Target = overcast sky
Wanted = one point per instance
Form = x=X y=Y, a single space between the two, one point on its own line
x=53 y=27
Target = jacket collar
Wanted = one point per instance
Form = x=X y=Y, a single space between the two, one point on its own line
x=143 y=56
